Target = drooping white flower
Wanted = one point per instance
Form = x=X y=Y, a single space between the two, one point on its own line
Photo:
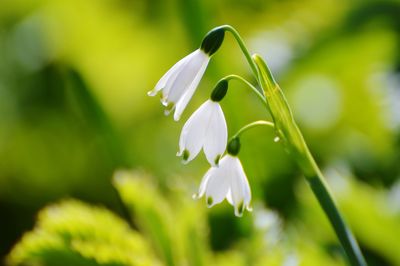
x=226 y=181
x=178 y=85
x=206 y=129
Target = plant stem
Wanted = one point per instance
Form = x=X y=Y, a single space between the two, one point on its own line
x=252 y=125
x=254 y=89
x=243 y=47
x=321 y=191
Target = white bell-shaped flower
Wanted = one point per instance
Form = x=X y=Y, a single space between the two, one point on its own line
x=226 y=181
x=206 y=129
x=178 y=85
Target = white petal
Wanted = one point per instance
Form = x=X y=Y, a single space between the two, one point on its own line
x=180 y=71
x=193 y=132
x=203 y=184
x=240 y=189
x=237 y=191
x=216 y=136
x=247 y=194
x=186 y=76
x=172 y=72
x=217 y=186
x=229 y=197
x=185 y=98
x=227 y=181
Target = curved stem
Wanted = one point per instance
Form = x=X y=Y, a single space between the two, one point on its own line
x=252 y=125
x=243 y=47
x=254 y=89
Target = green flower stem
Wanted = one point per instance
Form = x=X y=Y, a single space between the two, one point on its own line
x=243 y=47
x=252 y=125
x=293 y=140
x=254 y=89
x=316 y=180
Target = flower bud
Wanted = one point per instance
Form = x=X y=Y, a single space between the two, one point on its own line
x=213 y=41
x=219 y=91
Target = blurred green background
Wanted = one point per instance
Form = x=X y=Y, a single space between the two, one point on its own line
x=74 y=110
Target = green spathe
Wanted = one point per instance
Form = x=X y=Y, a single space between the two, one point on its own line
x=292 y=138
x=286 y=127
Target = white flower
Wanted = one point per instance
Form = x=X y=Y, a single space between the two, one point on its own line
x=206 y=129
x=227 y=181
x=180 y=82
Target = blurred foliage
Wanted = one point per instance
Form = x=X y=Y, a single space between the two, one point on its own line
x=73 y=110
x=73 y=233
x=175 y=228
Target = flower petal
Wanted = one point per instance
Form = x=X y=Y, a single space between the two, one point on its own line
x=187 y=75
x=226 y=181
x=216 y=135
x=203 y=184
x=240 y=189
x=170 y=75
x=170 y=85
x=247 y=193
x=217 y=186
x=229 y=197
x=193 y=132
x=185 y=98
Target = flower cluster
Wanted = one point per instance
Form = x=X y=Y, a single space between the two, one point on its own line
x=206 y=128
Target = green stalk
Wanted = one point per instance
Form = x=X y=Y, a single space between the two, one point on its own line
x=293 y=139
x=248 y=84
x=244 y=49
x=253 y=124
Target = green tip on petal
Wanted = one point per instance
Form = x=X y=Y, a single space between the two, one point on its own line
x=239 y=209
x=170 y=106
x=186 y=155
x=241 y=206
x=209 y=201
x=216 y=161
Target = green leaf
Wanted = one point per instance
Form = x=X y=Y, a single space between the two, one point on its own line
x=74 y=233
x=176 y=224
x=150 y=210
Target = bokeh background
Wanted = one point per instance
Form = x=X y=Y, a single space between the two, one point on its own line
x=77 y=130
